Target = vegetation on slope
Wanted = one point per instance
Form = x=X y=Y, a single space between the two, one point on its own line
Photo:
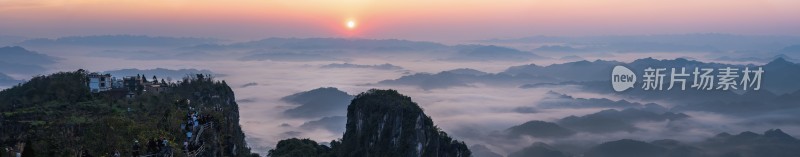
x=56 y=115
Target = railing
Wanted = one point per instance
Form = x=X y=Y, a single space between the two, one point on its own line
x=195 y=139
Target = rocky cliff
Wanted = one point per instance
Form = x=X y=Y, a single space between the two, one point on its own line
x=56 y=115
x=384 y=123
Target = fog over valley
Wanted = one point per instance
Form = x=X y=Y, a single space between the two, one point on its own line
x=508 y=97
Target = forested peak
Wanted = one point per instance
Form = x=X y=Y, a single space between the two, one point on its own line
x=383 y=99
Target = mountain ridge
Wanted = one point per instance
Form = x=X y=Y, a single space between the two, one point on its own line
x=384 y=123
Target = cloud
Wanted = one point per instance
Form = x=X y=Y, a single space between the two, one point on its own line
x=334 y=124
x=385 y=66
x=248 y=85
x=558 y=100
x=540 y=129
x=7 y=81
x=247 y=100
x=492 y=52
x=539 y=150
x=326 y=44
x=482 y=151
x=296 y=57
x=626 y=148
x=612 y=120
x=461 y=78
x=556 y=48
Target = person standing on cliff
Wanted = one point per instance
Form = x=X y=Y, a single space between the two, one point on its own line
x=136 y=147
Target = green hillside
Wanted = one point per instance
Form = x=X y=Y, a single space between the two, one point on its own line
x=56 y=115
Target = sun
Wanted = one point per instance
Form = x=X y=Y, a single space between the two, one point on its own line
x=350 y=24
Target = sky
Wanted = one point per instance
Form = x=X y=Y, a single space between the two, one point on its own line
x=442 y=20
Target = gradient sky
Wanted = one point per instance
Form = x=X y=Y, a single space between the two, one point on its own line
x=441 y=20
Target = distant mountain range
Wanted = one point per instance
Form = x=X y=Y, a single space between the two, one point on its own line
x=21 y=61
x=707 y=42
x=385 y=66
x=18 y=60
x=119 y=41
x=778 y=78
x=730 y=47
x=464 y=78
x=139 y=47
x=773 y=143
x=612 y=120
x=492 y=53
x=324 y=44
x=7 y=40
x=288 y=56
x=760 y=59
x=606 y=121
x=8 y=81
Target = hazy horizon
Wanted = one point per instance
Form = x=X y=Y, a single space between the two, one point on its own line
x=413 y=20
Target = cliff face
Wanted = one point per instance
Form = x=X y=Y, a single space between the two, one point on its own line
x=56 y=115
x=215 y=99
x=386 y=123
x=382 y=123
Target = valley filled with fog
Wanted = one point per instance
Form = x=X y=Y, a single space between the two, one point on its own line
x=498 y=95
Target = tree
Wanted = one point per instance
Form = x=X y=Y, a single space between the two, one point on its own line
x=28 y=150
x=63 y=118
x=299 y=148
x=200 y=77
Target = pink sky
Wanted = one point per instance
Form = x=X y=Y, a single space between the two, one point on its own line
x=442 y=20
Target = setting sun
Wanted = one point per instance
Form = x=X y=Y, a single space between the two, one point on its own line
x=351 y=24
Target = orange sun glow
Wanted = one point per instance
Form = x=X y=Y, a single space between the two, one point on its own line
x=351 y=24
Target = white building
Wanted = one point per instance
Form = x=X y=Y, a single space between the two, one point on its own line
x=99 y=82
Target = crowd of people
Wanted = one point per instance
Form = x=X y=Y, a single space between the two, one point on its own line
x=156 y=147
x=11 y=152
x=194 y=123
